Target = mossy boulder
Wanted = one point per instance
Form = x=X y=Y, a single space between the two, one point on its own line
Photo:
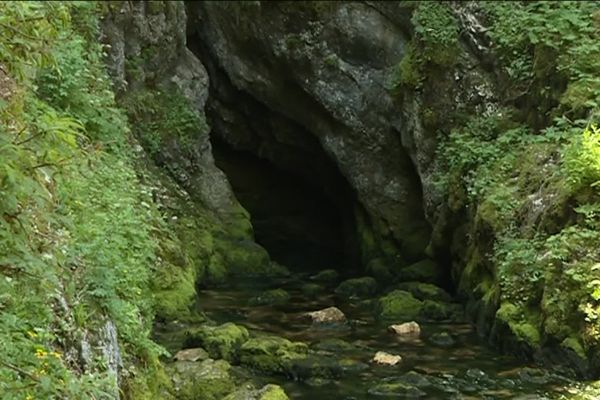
x=270 y=298
x=523 y=328
x=312 y=290
x=206 y=380
x=423 y=271
x=327 y=276
x=271 y=354
x=425 y=291
x=245 y=258
x=223 y=341
x=440 y=311
x=314 y=366
x=399 y=306
x=268 y=392
x=357 y=287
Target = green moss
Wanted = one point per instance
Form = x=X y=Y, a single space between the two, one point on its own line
x=223 y=341
x=574 y=344
x=245 y=258
x=425 y=291
x=268 y=392
x=271 y=354
x=399 y=306
x=206 y=380
x=273 y=392
x=439 y=311
x=357 y=287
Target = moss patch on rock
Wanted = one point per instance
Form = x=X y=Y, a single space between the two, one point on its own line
x=357 y=287
x=399 y=306
x=271 y=354
x=223 y=341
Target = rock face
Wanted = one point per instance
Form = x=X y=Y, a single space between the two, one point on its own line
x=330 y=61
x=147 y=50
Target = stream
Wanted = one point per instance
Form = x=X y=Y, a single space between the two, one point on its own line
x=431 y=368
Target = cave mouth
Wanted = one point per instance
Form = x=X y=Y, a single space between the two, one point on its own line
x=298 y=224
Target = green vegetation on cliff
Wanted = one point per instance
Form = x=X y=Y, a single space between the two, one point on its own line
x=523 y=176
x=80 y=235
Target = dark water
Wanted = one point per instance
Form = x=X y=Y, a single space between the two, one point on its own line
x=466 y=370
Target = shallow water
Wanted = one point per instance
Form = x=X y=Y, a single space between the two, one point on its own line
x=466 y=370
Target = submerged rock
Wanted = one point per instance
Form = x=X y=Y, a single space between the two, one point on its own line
x=357 y=287
x=194 y=354
x=442 y=339
x=223 y=341
x=334 y=345
x=330 y=315
x=327 y=276
x=406 y=329
x=381 y=357
x=312 y=290
x=396 y=389
x=270 y=297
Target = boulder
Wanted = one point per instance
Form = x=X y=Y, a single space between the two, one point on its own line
x=327 y=276
x=223 y=341
x=330 y=315
x=383 y=358
x=357 y=287
x=406 y=329
x=194 y=354
x=270 y=297
x=399 y=305
x=271 y=354
x=267 y=392
x=206 y=380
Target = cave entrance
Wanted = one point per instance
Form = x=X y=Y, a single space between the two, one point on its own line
x=293 y=219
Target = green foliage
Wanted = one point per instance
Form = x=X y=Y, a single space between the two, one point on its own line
x=581 y=159
x=435 y=44
x=544 y=45
x=165 y=119
x=78 y=243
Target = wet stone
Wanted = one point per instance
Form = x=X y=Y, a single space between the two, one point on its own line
x=193 y=355
x=442 y=339
x=406 y=329
x=330 y=315
x=383 y=358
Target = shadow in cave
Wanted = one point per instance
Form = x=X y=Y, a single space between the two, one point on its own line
x=299 y=225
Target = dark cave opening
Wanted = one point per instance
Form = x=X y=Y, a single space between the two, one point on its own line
x=299 y=224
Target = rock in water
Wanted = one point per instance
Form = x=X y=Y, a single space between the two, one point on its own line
x=406 y=329
x=381 y=357
x=330 y=315
x=195 y=354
